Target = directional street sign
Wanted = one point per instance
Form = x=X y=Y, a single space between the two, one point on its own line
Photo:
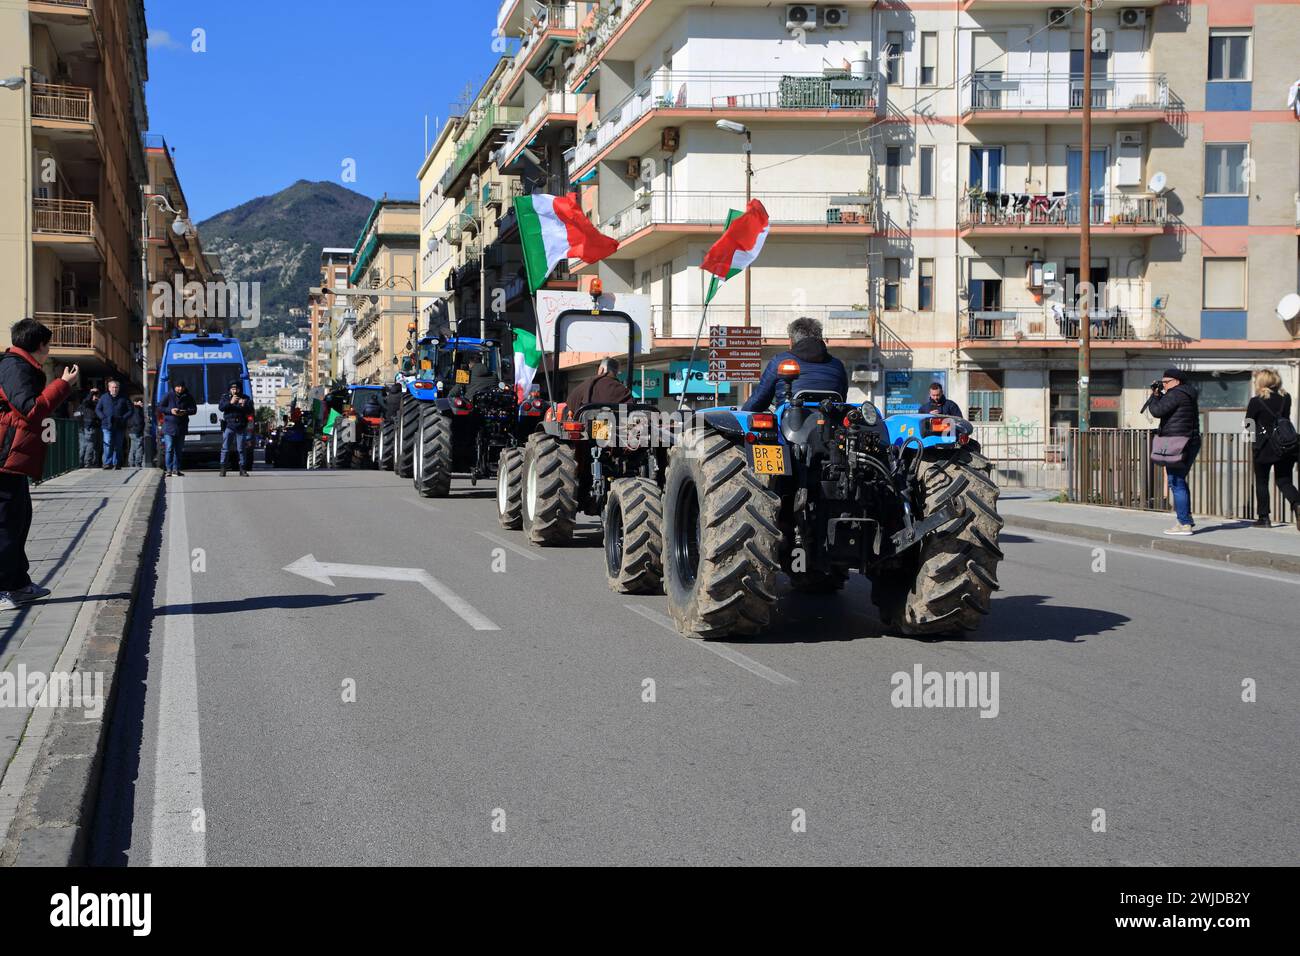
x=735 y=354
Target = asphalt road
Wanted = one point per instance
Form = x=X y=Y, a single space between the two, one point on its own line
x=1118 y=690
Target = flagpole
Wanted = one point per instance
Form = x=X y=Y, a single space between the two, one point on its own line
x=686 y=380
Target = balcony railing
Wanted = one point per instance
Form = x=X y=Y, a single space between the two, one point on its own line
x=1009 y=92
x=1062 y=209
x=711 y=209
x=83 y=4
x=727 y=91
x=592 y=40
x=494 y=118
x=58 y=102
x=565 y=104
x=64 y=217
x=1061 y=325
x=79 y=330
x=682 y=321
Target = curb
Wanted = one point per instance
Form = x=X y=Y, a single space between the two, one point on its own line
x=1243 y=557
x=57 y=805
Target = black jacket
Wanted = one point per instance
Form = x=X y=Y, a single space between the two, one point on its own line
x=89 y=419
x=177 y=425
x=236 y=416
x=818 y=371
x=1179 y=411
x=944 y=407
x=1265 y=412
x=135 y=425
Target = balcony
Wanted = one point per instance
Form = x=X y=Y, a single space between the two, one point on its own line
x=79 y=336
x=1001 y=214
x=682 y=96
x=494 y=120
x=57 y=107
x=1044 y=97
x=557 y=24
x=681 y=322
x=552 y=106
x=1055 y=326
x=501 y=193
x=659 y=218
x=69 y=226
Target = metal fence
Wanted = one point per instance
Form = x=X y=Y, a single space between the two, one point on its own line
x=1024 y=455
x=1112 y=466
x=64 y=453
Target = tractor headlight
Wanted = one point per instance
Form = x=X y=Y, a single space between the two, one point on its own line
x=870 y=414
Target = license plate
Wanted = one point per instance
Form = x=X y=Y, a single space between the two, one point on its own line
x=462 y=377
x=193 y=437
x=599 y=430
x=769 y=460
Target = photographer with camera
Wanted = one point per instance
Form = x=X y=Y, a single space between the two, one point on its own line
x=1178 y=440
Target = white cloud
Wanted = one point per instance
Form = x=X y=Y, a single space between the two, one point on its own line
x=161 y=40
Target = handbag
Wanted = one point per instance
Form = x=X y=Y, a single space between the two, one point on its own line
x=1282 y=438
x=1169 y=449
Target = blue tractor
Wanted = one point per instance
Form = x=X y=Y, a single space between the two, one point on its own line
x=458 y=411
x=821 y=488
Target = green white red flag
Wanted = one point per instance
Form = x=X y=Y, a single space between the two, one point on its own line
x=553 y=228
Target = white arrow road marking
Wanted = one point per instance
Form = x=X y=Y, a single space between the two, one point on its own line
x=324 y=572
x=722 y=650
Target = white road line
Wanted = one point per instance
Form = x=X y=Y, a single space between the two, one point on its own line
x=422 y=504
x=722 y=650
x=466 y=611
x=511 y=546
x=178 y=766
x=1206 y=564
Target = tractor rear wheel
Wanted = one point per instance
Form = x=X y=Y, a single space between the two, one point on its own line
x=956 y=571
x=432 y=476
x=722 y=544
x=550 y=493
x=634 y=537
x=387 y=434
x=408 y=427
x=510 y=488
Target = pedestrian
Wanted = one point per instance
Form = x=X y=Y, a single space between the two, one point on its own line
x=25 y=402
x=90 y=434
x=1178 y=440
x=235 y=406
x=135 y=433
x=1275 y=444
x=176 y=408
x=114 y=411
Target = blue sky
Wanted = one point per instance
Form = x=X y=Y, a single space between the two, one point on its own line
x=289 y=89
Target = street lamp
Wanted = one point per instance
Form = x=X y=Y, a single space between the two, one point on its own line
x=181 y=226
x=740 y=129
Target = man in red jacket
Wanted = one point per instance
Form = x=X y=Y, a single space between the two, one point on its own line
x=26 y=401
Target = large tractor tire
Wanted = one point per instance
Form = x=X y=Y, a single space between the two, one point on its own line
x=316 y=457
x=510 y=488
x=342 y=454
x=722 y=544
x=387 y=436
x=408 y=428
x=432 y=476
x=956 y=571
x=634 y=537
x=550 y=490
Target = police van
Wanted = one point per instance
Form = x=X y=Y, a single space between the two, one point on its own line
x=206 y=364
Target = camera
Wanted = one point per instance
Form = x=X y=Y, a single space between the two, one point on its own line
x=1158 y=385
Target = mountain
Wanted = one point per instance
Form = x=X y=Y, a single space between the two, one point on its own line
x=276 y=241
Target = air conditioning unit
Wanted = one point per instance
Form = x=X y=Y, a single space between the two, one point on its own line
x=1132 y=17
x=634 y=168
x=801 y=16
x=670 y=139
x=835 y=18
x=1059 y=16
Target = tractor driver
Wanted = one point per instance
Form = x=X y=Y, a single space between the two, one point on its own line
x=604 y=389
x=819 y=371
x=480 y=375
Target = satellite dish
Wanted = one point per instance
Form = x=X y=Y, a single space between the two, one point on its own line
x=1289 y=307
x=1159 y=184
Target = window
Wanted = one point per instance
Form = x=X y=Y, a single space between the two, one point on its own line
x=925 y=286
x=893 y=169
x=1229 y=55
x=1105 y=389
x=929 y=58
x=893 y=269
x=1220 y=390
x=1224 y=284
x=986 y=168
x=1225 y=169
x=985 y=401
x=894 y=57
x=927 y=171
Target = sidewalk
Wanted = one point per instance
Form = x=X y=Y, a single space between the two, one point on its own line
x=79 y=547
x=1216 y=539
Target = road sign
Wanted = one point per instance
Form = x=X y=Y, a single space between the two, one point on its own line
x=735 y=354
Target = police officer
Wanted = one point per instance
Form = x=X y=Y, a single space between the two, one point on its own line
x=235 y=407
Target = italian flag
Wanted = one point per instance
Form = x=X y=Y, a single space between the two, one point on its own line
x=739 y=246
x=554 y=228
x=528 y=356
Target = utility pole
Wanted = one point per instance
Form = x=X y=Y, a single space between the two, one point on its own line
x=1085 y=228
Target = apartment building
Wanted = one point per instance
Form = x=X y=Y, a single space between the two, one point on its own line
x=324 y=310
x=267 y=380
x=437 y=212
x=70 y=207
x=385 y=257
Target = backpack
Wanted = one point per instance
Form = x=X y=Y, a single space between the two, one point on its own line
x=1282 y=439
